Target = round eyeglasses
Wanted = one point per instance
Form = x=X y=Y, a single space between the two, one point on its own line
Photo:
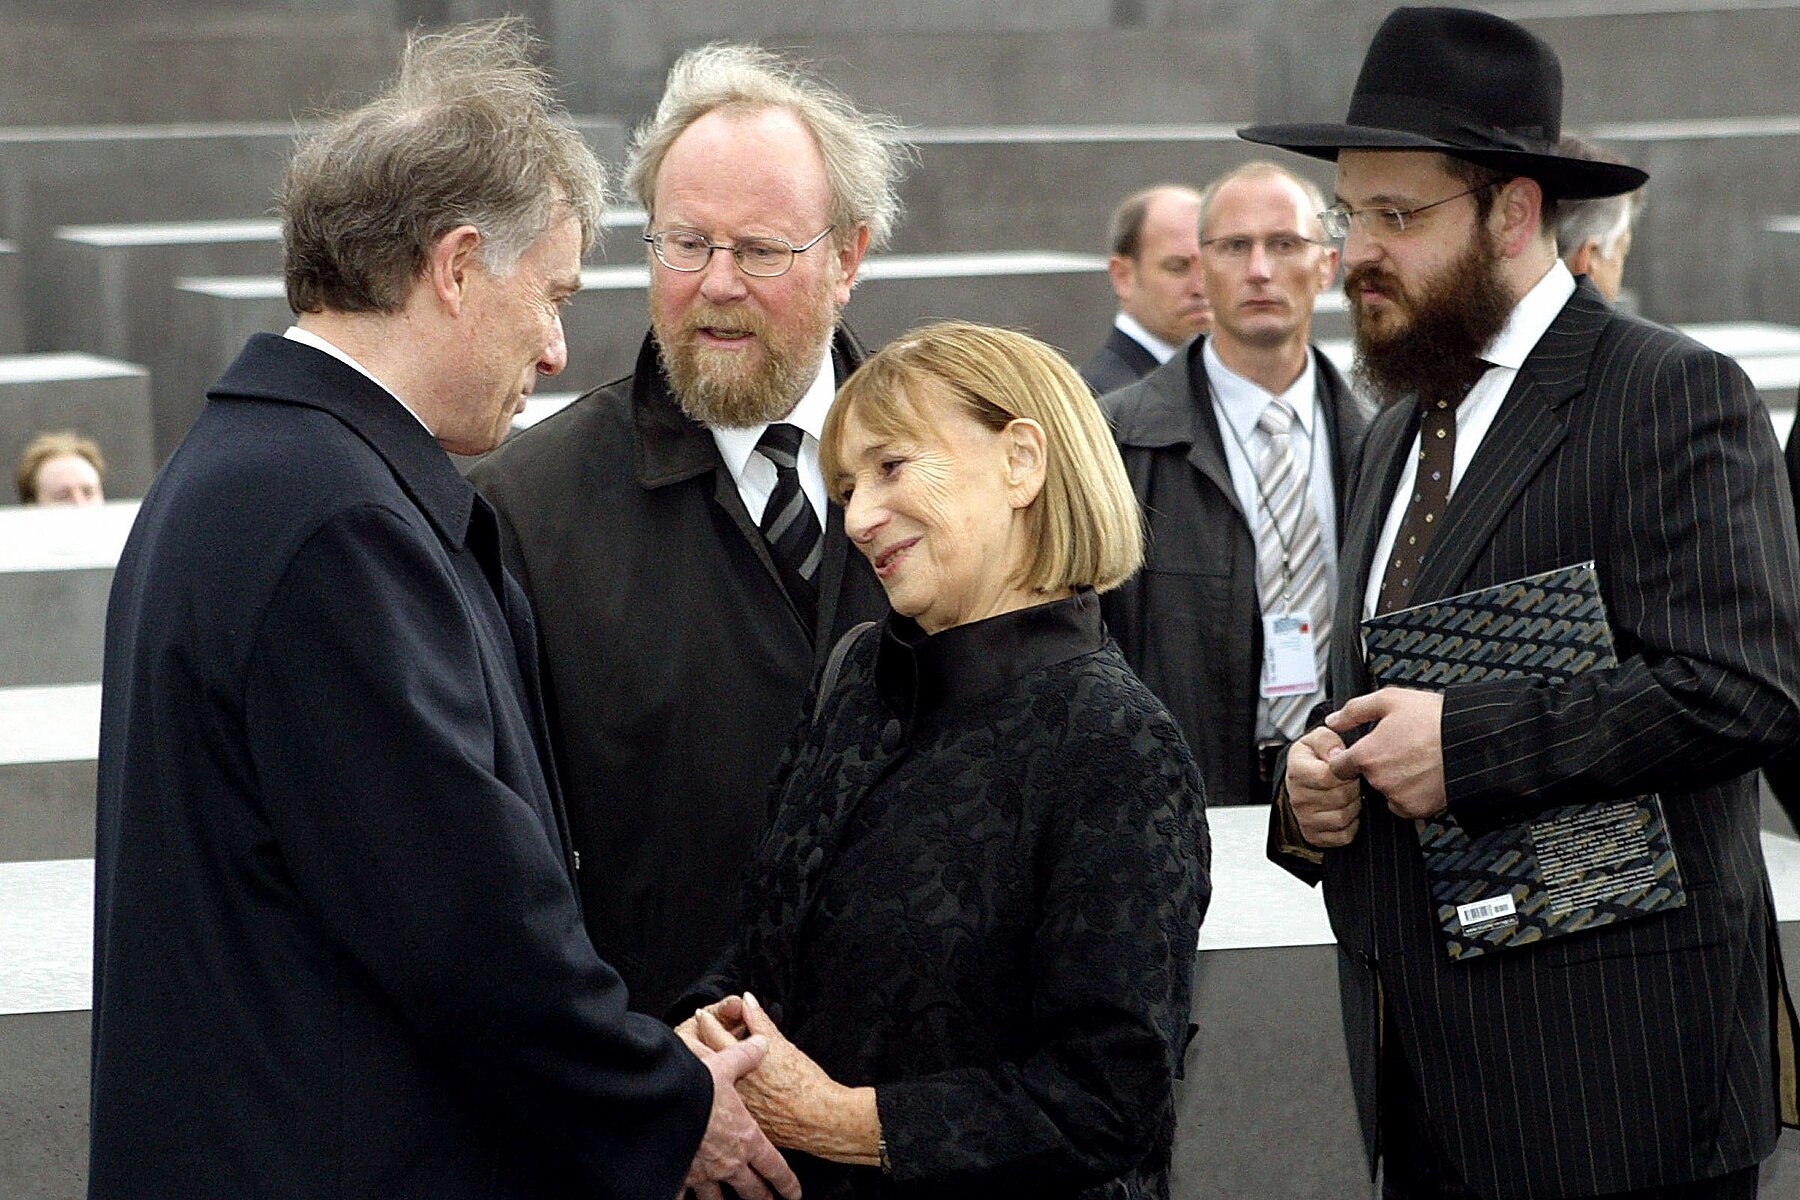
x=761 y=257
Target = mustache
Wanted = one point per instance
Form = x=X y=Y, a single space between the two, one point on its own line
x=741 y=319
x=1372 y=277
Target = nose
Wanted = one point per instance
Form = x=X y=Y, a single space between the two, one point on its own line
x=556 y=353
x=1358 y=247
x=1258 y=265
x=720 y=280
x=863 y=518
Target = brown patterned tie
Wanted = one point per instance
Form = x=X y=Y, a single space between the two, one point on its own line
x=1425 y=511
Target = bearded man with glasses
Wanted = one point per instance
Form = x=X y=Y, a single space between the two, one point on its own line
x=1236 y=449
x=689 y=571
x=1527 y=427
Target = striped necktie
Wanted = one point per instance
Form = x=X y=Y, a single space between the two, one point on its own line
x=789 y=524
x=1290 y=555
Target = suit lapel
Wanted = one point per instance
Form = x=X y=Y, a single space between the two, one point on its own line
x=1525 y=432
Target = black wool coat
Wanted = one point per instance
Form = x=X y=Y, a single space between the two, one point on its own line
x=981 y=894
x=337 y=948
x=676 y=665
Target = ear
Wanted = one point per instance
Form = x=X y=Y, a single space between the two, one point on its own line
x=849 y=258
x=1123 y=273
x=1026 y=461
x=448 y=267
x=1582 y=261
x=1517 y=217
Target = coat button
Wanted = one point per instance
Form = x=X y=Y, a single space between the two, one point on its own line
x=892 y=735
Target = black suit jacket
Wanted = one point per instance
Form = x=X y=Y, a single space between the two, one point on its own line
x=1643 y=1053
x=1119 y=360
x=338 y=949
x=1784 y=773
x=1190 y=622
x=677 y=664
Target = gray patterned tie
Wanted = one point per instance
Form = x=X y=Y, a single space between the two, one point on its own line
x=789 y=524
x=1290 y=555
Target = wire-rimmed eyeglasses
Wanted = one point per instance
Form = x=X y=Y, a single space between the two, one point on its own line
x=761 y=257
x=1337 y=218
x=1276 y=245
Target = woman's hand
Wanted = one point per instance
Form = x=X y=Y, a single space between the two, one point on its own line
x=797 y=1104
x=728 y=1014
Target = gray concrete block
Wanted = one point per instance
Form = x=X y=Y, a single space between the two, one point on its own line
x=1668 y=60
x=1054 y=187
x=44 y=1105
x=103 y=398
x=151 y=65
x=1779 y=285
x=1086 y=77
x=48 y=742
x=56 y=569
x=12 y=309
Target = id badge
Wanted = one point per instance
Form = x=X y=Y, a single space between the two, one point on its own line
x=1290 y=665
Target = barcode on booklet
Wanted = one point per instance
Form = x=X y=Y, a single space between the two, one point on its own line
x=1480 y=912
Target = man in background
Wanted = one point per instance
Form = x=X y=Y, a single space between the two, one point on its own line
x=1594 y=236
x=1155 y=272
x=1238 y=448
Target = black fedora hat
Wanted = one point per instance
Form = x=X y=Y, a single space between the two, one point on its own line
x=1468 y=84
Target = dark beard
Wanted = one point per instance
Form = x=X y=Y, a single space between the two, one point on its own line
x=1451 y=320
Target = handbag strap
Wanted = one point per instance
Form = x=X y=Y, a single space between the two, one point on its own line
x=834 y=666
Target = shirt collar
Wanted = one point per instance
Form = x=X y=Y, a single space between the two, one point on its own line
x=1128 y=325
x=1531 y=318
x=307 y=337
x=736 y=445
x=1244 y=400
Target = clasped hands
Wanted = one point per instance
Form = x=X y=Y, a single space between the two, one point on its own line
x=785 y=1098
x=1401 y=756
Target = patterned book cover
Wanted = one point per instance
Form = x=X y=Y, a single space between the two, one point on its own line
x=1571 y=868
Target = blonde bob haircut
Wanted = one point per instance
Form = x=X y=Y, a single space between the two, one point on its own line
x=1084 y=524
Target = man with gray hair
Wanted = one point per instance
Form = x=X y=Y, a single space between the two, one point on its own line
x=1594 y=236
x=338 y=946
x=673 y=528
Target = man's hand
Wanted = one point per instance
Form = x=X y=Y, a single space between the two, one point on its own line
x=734 y=1150
x=1402 y=757
x=1327 y=808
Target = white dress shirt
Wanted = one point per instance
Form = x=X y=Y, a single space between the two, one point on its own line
x=1238 y=403
x=1160 y=350
x=1530 y=318
x=755 y=475
x=307 y=337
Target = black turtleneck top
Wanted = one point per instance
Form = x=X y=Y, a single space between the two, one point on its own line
x=981 y=894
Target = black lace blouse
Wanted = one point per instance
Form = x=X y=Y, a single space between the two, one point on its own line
x=981 y=894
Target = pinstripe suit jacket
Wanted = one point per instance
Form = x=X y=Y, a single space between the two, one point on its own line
x=1640 y=1054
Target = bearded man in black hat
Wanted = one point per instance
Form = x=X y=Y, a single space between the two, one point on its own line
x=1527 y=427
